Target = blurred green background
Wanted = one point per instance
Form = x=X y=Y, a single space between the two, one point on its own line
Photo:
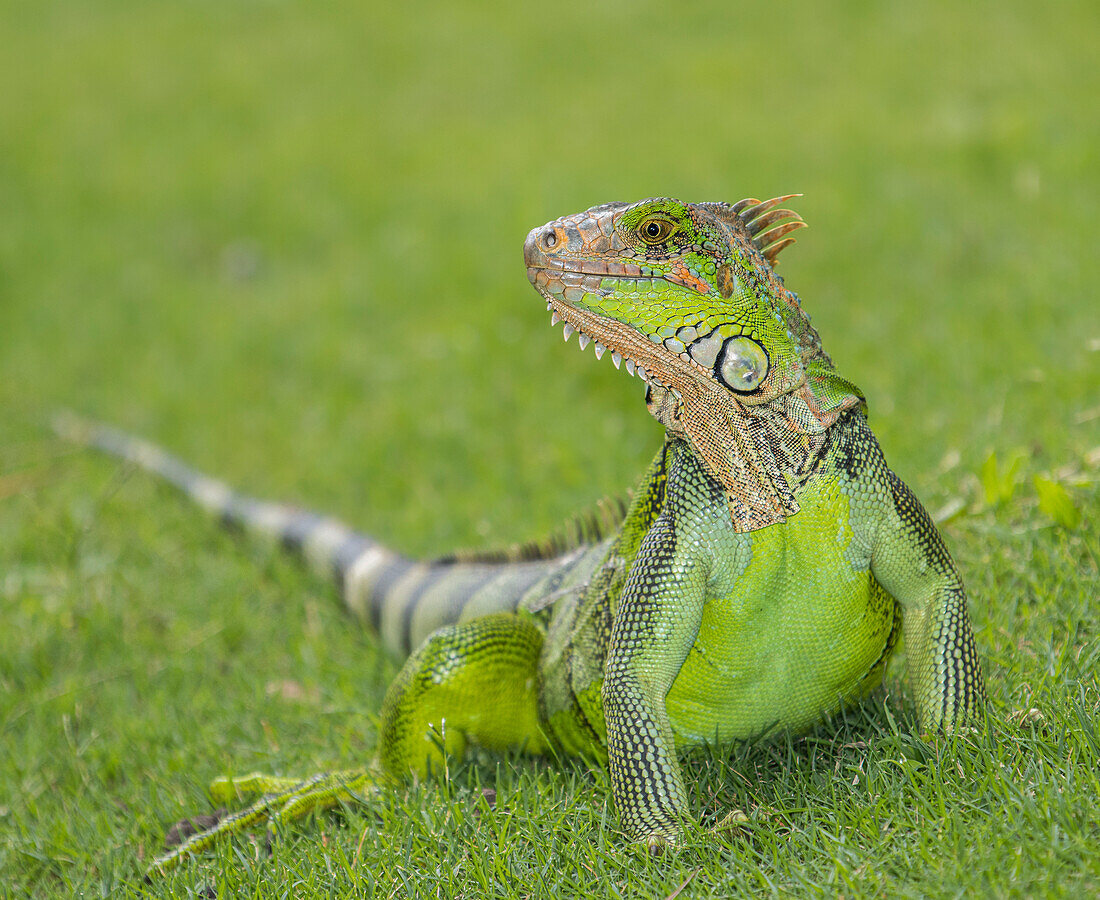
x=284 y=240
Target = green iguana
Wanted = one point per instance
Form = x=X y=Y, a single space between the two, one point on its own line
x=759 y=579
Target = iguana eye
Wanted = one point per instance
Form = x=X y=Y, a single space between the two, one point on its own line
x=655 y=231
x=742 y=364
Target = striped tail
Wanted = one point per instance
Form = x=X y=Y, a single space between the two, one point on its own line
x=403 y=600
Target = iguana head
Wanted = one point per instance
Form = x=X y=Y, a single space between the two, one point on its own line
x=687 y=294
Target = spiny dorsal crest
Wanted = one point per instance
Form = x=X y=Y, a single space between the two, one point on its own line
x=582 y=530
x=767 y=226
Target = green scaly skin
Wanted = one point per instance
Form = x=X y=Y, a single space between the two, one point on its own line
x=758 y=581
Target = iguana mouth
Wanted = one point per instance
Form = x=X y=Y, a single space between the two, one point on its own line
x=652 y=362
x=625 y=343
x=562 y=283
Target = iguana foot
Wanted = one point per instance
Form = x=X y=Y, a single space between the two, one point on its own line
x=282 y=800
x=658 y=843
x=732 y=821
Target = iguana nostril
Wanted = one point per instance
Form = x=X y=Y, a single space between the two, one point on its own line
x=549 y=239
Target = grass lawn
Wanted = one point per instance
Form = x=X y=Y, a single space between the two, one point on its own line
x=283 y=240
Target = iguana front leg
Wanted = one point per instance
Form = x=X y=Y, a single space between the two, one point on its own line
x=911 y=562
x=655 y=627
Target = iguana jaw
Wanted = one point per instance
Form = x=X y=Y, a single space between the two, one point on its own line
x=651 y=362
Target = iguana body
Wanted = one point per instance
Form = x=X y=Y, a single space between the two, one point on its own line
x=759 y=580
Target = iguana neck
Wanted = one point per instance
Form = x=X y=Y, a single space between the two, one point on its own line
x=759 y=454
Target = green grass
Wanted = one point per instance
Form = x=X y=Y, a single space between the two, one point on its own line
x=284 y=241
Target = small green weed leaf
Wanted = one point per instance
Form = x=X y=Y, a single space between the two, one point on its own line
x=987 y=474
x=998 y=486
x=1055 y=501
